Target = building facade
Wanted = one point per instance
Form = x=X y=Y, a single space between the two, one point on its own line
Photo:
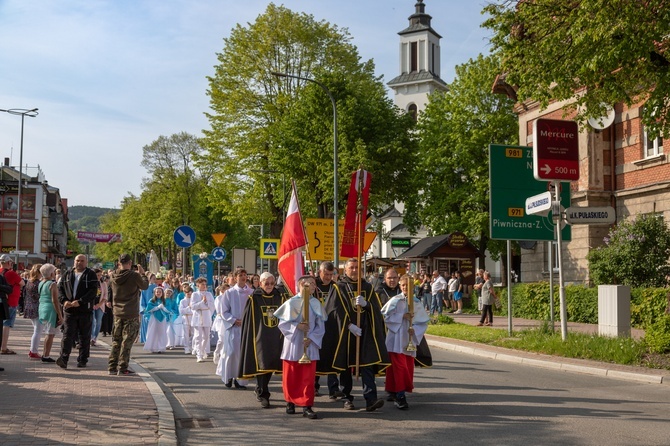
x=43 y=219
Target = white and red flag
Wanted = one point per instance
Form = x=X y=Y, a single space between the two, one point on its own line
x=354 y=221
x=291 y=264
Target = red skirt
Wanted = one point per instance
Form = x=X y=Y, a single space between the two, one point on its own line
x=298 y=382
x=400 y=376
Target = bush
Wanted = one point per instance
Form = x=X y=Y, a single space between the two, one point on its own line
x=636 y=254
x=531 y=301
x=657 y=335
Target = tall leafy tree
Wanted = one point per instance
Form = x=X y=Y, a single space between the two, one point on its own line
x=455 y=131
x=589 y=51
x=263 y=126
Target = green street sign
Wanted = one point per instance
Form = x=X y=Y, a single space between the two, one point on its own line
x=401 y=242
x=511 y=181
x=108 y=265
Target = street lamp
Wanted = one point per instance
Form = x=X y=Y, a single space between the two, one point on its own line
x=23 y=113
x=283 y=188
x=335 y=212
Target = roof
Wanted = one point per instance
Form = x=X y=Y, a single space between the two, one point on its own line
x=425 y=247
x=416 y=76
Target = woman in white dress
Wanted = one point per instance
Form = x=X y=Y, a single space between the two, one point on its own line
x=158 y=316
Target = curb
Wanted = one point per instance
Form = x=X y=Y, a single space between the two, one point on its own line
x=167 y=432
x=554 y=362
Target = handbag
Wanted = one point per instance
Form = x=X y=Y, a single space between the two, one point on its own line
x=497 y=303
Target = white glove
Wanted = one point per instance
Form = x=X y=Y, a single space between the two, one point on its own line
x=355 y=330
x=360 y=300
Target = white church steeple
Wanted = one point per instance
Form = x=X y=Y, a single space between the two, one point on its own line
x=419 y=63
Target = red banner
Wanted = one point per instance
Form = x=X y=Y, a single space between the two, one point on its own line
x=101 y=237
x=360 y=184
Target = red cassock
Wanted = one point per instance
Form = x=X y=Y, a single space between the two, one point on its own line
x=298 y=382
x=400 y=376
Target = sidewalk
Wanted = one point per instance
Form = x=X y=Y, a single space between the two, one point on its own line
x=42 y=404
x=606 y=370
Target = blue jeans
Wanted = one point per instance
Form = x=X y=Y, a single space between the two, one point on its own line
x=97 y=322
x=436 y=304
x=426 y=298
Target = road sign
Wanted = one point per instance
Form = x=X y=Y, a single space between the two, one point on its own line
x=219 y=254
x=590 y=215
x=511 y=182
x=218 y=238
x=184 y=236
x=269 y=248
x=320 y=235
x=539 y=204
x=555 y=150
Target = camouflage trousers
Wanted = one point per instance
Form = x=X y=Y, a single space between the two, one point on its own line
x=123 y=337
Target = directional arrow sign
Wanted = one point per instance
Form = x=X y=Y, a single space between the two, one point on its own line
x=184 y=236
x=555 y=150
x=539 y=204
x=590 y=215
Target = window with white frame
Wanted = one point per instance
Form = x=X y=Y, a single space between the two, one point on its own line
x=652 y=146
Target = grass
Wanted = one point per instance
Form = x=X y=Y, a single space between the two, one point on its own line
x=624 y=351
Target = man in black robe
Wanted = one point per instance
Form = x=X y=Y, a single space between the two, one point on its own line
x=324 y=282
x=389 y=287
x=262 y=341
x=338 y=349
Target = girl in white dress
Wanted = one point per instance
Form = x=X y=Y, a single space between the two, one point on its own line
x=187 y=315
x=158 y=316
x=202 y=305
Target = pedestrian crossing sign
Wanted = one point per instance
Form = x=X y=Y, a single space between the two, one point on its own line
x=269 y=248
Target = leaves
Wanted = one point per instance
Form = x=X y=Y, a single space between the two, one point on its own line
x=590 y=52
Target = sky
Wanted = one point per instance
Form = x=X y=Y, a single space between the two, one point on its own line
x=111 y=76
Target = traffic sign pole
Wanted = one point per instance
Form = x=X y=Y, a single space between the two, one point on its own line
x=561 y=286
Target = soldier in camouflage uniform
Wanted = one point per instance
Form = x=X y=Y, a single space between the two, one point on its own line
x=126 y=287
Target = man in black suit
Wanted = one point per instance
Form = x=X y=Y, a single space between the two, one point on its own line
x=77 y=290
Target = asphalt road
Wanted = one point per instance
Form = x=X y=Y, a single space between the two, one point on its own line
x=462 y=399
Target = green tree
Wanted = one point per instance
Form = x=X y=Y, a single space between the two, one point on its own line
x=455 y=131
x=263 y=126
x=636 y=253
x=591 y=51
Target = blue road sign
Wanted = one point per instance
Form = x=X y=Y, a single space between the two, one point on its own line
x=184 y=236
x=219 y=254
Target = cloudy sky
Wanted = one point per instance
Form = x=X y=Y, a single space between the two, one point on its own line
x=110 y=77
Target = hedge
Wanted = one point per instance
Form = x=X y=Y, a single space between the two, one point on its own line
x=531 y=301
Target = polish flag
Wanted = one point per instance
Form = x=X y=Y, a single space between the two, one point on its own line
x=291 y=264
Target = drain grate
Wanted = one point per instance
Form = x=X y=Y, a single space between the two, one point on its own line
x=194 y=423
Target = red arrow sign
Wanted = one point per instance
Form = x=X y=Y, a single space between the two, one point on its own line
x=555 y=150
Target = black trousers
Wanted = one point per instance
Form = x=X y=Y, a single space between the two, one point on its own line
x=487 y=309
x=76 y=326
x=262 y=385
x=368 y=380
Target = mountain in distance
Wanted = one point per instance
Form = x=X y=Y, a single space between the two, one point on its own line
x=86 y=218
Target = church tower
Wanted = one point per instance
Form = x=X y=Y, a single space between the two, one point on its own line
x=419 y=63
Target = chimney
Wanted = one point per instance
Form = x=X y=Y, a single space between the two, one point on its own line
x=6 y=161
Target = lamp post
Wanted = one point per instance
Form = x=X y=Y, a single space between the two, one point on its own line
x=23 y=113
x=283 y=188
x=336 y=243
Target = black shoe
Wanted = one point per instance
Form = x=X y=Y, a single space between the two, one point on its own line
x=81 y=365
x=49 y=360
x=316 y=392
x=229 y=384
x=349 y=405
x=401 y=403
x=238 y=385
x=126 y=372
x=113 y=372
x=290 y=408
x=390 y=397
x=60 y=362
x=309 y=413
x=265 y=403
x=375 y=405
x=2 y=369
x=336 y=395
